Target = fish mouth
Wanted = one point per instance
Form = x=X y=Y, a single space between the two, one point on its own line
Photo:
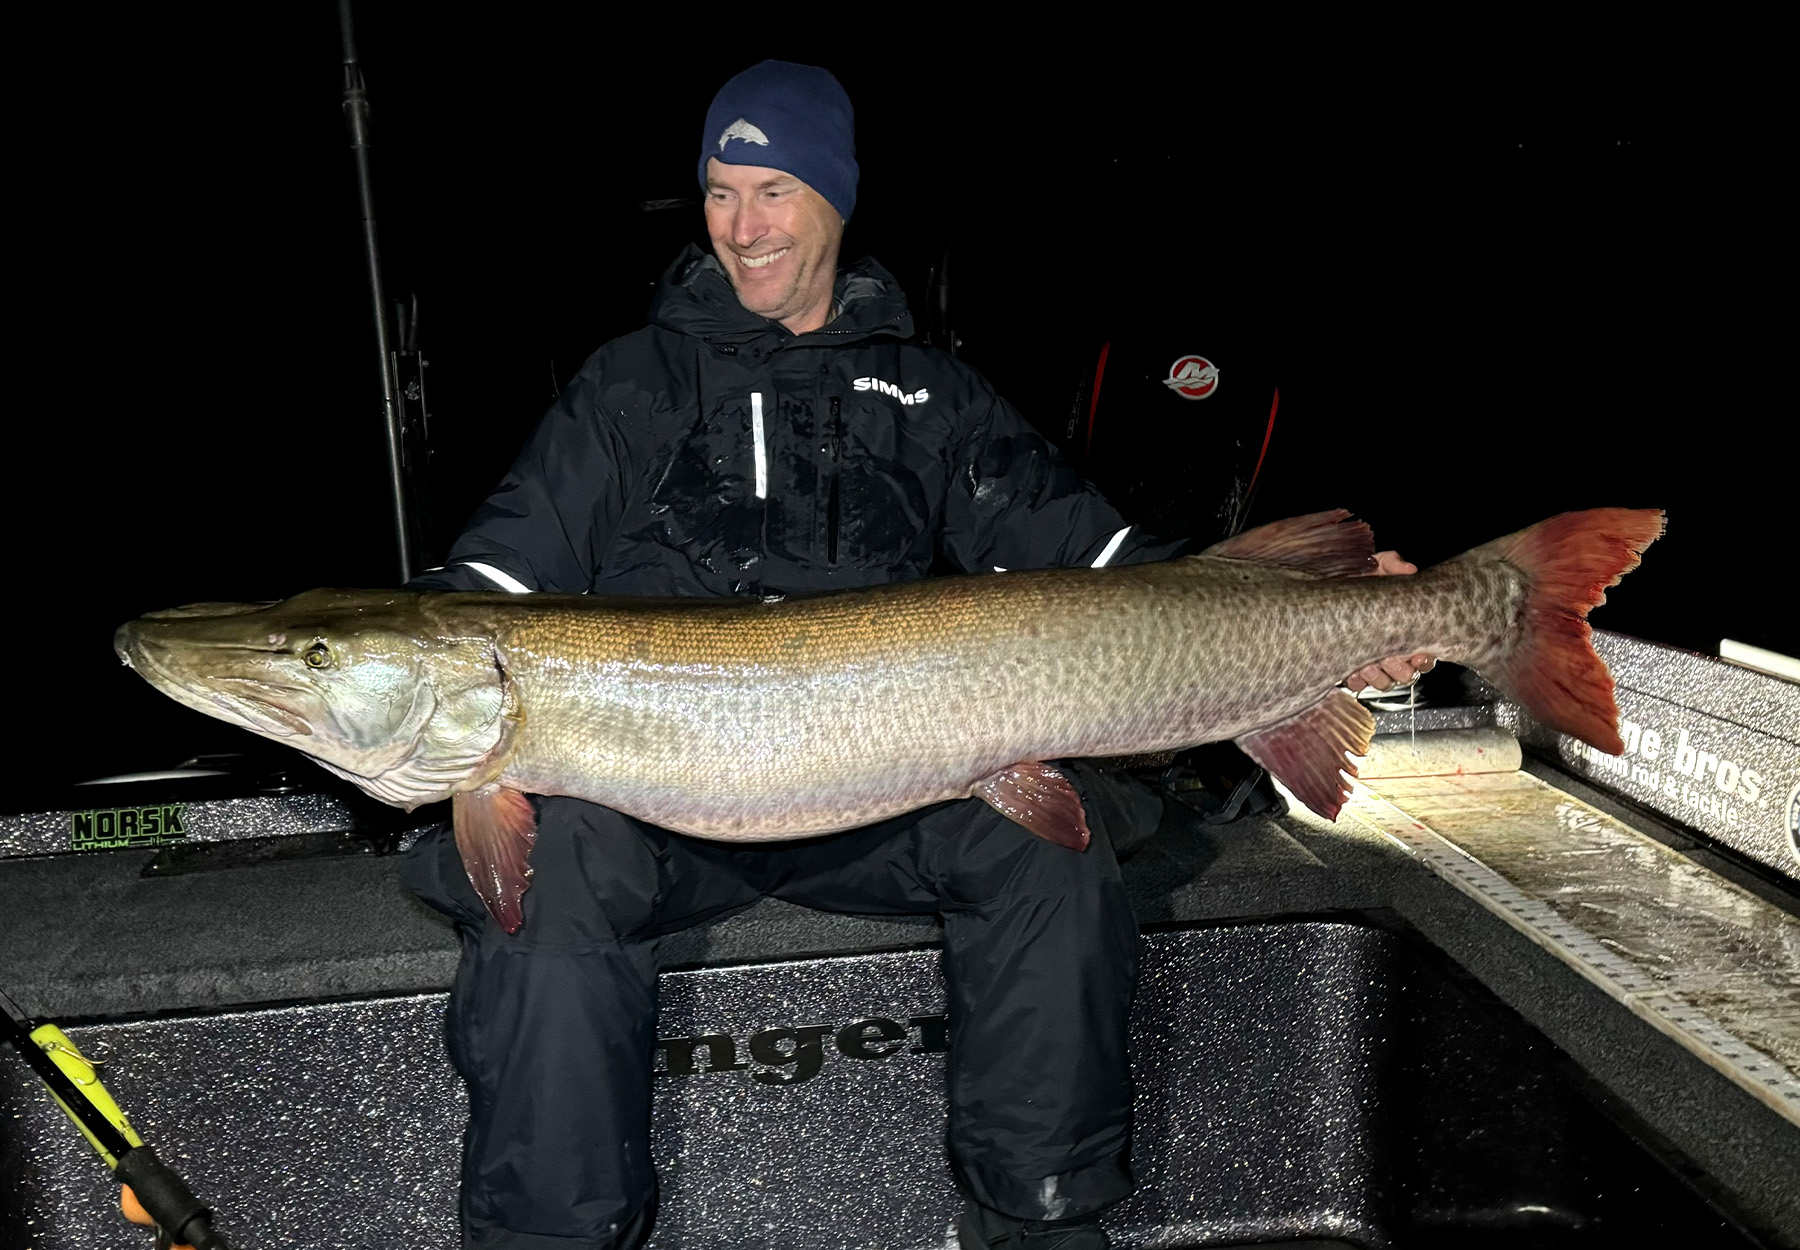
x=253 y=703
x=247 y=700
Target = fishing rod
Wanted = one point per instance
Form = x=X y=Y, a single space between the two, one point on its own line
x=356 y=115
x=75 y=1085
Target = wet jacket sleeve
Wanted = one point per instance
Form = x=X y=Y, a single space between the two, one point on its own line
x=544 y=526
x=1016 y=503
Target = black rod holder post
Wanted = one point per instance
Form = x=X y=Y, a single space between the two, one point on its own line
x=356 y=114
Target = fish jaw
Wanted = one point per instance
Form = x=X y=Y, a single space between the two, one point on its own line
x=343 y=677
x=237 y=685
x=237 y=671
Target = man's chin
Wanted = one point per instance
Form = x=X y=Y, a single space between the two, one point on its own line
x=772 y=305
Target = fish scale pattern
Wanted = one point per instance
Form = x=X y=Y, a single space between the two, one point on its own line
x=761 y=721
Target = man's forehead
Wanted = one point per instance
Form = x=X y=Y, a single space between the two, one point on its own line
x=719 y=173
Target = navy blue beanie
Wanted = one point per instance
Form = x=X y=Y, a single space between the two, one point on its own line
x=795 y=118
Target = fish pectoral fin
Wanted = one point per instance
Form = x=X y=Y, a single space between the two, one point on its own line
x=1324 y=544
x=495 y=829
x=1039 y=797
x=1306 y=751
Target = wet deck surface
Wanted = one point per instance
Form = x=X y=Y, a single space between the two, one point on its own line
x=1708 y=961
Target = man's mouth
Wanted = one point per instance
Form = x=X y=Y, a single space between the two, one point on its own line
x=758 y=262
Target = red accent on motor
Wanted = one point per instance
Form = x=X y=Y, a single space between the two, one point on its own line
x=1094 y=399
x=1267 y=435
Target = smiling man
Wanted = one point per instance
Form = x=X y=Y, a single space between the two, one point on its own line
x=776 y=207
x=775 y=431
x=777 y=238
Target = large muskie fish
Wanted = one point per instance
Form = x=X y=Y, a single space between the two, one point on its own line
x=749 y=721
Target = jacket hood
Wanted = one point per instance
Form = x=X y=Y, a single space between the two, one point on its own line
x=696 y=298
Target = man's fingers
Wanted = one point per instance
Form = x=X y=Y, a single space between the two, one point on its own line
x=1390 y=562
x=1396 y=670
x=133 y=1210
x=1399 y=668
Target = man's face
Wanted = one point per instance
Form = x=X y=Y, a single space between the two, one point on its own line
x=777 y=238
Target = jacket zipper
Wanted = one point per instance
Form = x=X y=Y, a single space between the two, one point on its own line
x=833 y=448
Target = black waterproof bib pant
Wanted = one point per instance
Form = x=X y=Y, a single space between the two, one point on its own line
x=554 y=1027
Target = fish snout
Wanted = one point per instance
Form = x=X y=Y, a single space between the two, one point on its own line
x=139 y=649
x=161 y=648
x=128 y=643
x=189 y=611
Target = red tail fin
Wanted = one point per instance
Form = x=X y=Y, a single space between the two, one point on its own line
x=1551 y=667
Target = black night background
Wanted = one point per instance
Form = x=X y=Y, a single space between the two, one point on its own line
x=1496 y=291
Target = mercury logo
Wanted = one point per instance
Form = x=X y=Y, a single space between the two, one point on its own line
x=741 y=129
x=888 y=388
x=1193 y=377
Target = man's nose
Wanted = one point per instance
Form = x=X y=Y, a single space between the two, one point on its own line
x=748 y=225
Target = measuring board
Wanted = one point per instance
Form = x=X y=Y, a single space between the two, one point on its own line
x=1759 y=1074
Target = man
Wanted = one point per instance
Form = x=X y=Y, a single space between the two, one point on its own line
x=773 y=432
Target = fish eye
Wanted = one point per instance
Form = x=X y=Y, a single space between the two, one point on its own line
x=316 y=656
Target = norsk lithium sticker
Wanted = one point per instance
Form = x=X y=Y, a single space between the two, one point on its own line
x=111 y=829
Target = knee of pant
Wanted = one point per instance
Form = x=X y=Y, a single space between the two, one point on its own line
x=595 y=877
x=432 y=869
x=1048 y=869
x=1120 y=808
x=996 y=857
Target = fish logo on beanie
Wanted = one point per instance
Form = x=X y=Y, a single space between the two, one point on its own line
x=795 y=118
x=741 y=129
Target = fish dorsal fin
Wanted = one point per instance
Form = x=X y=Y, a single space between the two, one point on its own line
x=495 y=830
x=1039 y=797
x=1325 y=544
x=1306 y=751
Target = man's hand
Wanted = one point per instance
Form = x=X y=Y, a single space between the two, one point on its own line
x=1402 y=670
x=133 y=1210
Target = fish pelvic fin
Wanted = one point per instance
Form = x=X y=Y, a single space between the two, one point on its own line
x=495 y=830
x=1548 y=663
x=1324 y=544
x=1306 y=752
x=1038 y=797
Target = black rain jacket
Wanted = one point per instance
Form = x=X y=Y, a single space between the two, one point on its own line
x=716 y=453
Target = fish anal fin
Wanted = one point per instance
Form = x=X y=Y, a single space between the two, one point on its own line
x=495 y=830
x=1325 y=544
x=1038 y=797
x=1306 y=751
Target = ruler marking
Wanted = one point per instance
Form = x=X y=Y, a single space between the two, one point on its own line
x=1620 y=980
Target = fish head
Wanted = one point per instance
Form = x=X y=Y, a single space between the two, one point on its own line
x=365 y=682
